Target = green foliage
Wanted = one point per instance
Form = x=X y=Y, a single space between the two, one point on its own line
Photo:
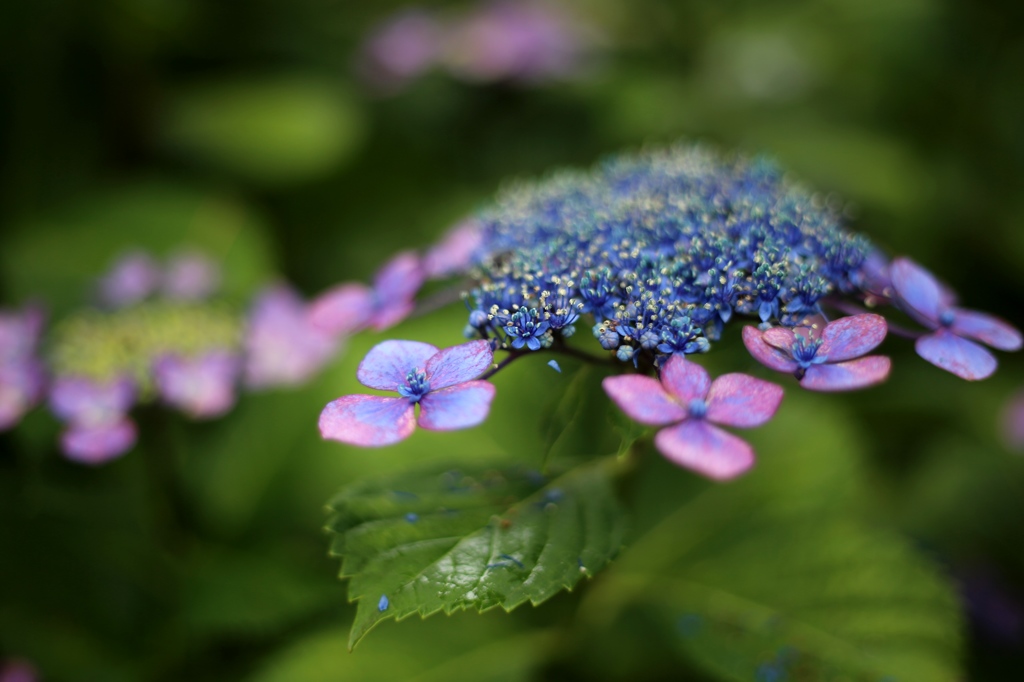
x=491 y=649
x=423 y=543
x=270 y=130
x=776 y=571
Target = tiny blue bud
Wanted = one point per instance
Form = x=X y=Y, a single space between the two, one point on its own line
x=383 y=604
x=412 y=517
x=625 y=353
x=478 y=319
x=553 y=364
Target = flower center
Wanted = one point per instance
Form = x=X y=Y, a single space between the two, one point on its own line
x=805 y=351
x=946 y=319
x=416 y=386
x=698 y=408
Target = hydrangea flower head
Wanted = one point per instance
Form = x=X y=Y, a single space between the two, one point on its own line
x=824 y=358
x=689 y=405
x=953 y=343
x=22 y=375
x=442 y=382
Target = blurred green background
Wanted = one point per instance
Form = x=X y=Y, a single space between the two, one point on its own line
x=240 y=127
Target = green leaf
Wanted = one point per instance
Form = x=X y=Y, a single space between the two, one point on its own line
x=776 y=571
x=576 y=421
x=468 y=647
x=423 y=543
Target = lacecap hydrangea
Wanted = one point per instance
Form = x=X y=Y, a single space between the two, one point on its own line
x=653 y=255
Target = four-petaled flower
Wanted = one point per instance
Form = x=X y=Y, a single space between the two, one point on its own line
x=203 y=387
x=440 y=381
x=824 y=359
x=950 y=345
x=689 y=404
x=96 y=412
x=352 y=307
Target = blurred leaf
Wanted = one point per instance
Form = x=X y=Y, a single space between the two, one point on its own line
x=468 y=647
x=773 y=574
x=59 y=256
x=272 y=130
x=422 y=543
x=576 y=422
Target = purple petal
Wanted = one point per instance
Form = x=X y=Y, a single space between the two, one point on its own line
x=19 y=333
x=97 y=444
x=782 y=338
x=986 y=328
x=921 y=294
x=368 y=420
x=456 y=407
x=685 y=380
x=343 y=310
x=643 y=399
x=282 y=347
x=201 y=387
x=770 y=357
x=847 y=376
x=388 y=363
x=706 y=449
x=21 y=387
x=132 y=278
x=399 y=279
x=390 y=313
x=191 y=276
x=455 y=251
x=963 y=358
x=458 y=364
x=405 y=46
x=88 y=402
x=852 y=337
x=742 y=401
x=873 y=275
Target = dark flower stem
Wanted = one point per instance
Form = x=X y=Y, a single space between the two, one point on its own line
x=440 y=299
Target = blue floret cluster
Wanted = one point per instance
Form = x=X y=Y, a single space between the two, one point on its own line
x=660 y=249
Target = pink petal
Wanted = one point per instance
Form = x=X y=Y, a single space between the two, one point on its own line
x=454 y=252
x=986 y=328
x=387 y=364
x=770 y=357
x=782 y=338
x=390 y=314
x=852 y=337
x=684 y=379
x=458 y=364
x=344 y=309
x=456 y=407
x=368 y=420
x=918 y=290
x=643 y=399
x=95 y=444
x=963 y=358
x=742 y=401
x=847 y=376
x=400 y=278
x=706 y=449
